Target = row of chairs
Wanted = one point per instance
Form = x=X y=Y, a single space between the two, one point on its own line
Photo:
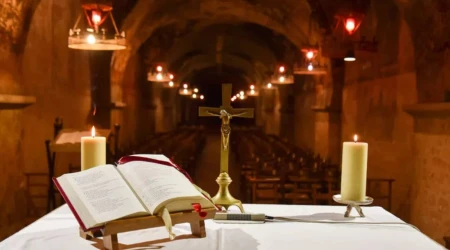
x=183 y=146
x=275 y=171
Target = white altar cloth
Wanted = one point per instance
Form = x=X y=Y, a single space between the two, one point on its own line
x=59 y=231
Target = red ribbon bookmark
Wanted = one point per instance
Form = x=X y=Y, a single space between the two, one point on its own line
x=198 y=208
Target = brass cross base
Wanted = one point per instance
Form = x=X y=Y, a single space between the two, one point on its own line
x=223 y=198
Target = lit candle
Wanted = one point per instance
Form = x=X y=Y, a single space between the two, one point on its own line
x=354 y=170
x=93 y=151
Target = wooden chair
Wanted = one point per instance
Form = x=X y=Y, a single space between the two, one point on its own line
x=36 y=188
x=381 y=190
x=265 y=189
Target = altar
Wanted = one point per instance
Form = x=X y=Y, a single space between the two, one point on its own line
x=328 y=229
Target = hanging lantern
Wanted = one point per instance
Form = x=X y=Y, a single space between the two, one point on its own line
x=310 y=53
x=171 y=84
x=252 y=92
x=310 y=68
x=350 y=56
x=95 y=36
x=350 y=22
x=282 y=76
x=269 y=86
x=310 y=65
x=159 y=73
x=183 y=91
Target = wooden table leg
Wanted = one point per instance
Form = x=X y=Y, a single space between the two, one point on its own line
x=198 y=228
x=110 y=242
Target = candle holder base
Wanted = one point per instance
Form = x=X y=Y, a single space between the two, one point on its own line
x=223 y=198
x=353 y=204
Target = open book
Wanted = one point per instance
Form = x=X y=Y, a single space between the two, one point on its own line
x=141 y=185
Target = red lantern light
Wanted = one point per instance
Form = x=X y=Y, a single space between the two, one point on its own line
x=350 y=21
x=96 y=17
x=350 y=25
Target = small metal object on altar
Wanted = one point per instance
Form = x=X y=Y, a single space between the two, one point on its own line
x=353 y=204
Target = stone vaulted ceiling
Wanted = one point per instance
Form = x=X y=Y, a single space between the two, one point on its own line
x=195 y=34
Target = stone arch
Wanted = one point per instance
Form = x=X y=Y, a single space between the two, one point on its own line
x=238 y=45
x=284 y=18
x=203 y=61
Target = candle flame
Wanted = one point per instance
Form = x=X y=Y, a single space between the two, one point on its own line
x=93 y=131
x=355 y=138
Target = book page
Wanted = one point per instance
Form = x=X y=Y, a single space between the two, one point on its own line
x=155 y=183
x=104 y=193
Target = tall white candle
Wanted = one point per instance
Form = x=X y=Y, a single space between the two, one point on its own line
x=354 y=170
x=93 y=151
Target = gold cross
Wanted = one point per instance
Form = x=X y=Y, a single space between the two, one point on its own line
x=225 y=112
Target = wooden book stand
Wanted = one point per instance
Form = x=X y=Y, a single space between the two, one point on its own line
x=111 y=229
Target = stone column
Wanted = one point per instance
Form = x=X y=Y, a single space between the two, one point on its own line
x=269 y=106
x=286 y=110
x=259 y=111
x=101 y=104
x=328 y=112
x=168 y=96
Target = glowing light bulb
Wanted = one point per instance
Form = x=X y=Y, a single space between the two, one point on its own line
x=194 y=96
x=232 y=100
x=159 y=76
x=252 y=86
x=96 y=17
x=241 y=92
x=185 y=86
x=310 y=54
x=170 y=76
x=171 y=84
x=242 y=97
x=196 y=90
x=269 y=85
x=310 y=67
x=252 y=91
x=238 y=95
x=281 y=69
x=281 y=79
x=185 y=91
x=350 y=25
x=91 y=39
x=202 y=97
x=159 y=68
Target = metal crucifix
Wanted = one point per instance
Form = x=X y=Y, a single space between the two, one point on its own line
x=225 y=112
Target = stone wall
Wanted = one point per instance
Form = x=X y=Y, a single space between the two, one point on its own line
x=429 y=197
x=373 y=110
x=137 y=118
x=59 y=79
x=304 y=116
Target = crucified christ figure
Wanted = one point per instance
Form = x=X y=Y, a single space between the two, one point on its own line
x=225 y=129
